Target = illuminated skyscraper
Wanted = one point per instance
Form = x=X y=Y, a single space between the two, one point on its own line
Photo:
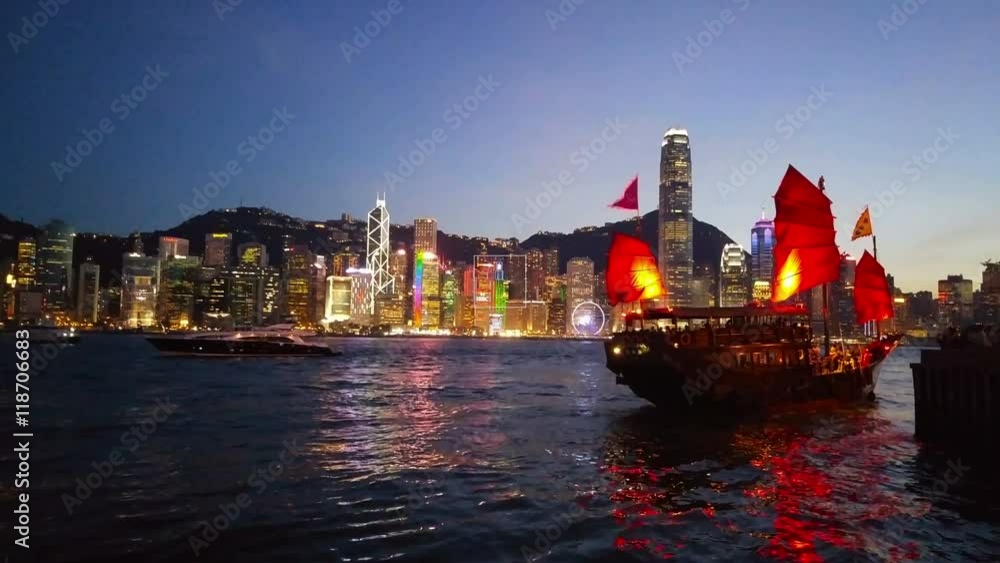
x=550 y=261
x=579 y=286
x=733 y=290
x=535 y=263
x=25 y=270
x=449 y=299
x=955 y=301
x=140 y=284
x=344 y=260
x=425 y=235
x=174 y=246
x=55 y=265
x=427 y=290
x=378 y=253
x=361 y=287
x=397 y=269
x=298 y=283
x=218 y=249
x=676 y=223
x=175 y=300
x=762 y=257
x=338 y=299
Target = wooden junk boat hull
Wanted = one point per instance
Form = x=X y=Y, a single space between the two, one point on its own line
x=754 y=367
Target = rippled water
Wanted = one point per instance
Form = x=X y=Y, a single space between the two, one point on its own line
x=464 y=450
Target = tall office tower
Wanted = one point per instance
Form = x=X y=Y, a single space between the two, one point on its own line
x=55 y=265
x=338 y=299
x=733 y=290
x=579 y=287
x=843 y=321
x=557 y=321
x=762 y=257
x=449 y=299
x=361 y=286
x=140 y=284
x=174 y=246
x=218 y=249
x=8 y=289
x=317 y=288
x=378 y=253
x=397 y=269
x=955 y=301
x=88 y=292
x=341 y=261
x=252 y=254
x=298 y=283
x=25 y=271
x=550 y=261
x=427 y=290
x=425 y=235
x=251 y=294
x=535 y=264
x=175 y=300
x=676 y=223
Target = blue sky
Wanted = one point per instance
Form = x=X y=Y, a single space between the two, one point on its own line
x=890 y=92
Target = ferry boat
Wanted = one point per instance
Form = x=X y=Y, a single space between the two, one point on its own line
x=761 y=354
x=276 y=340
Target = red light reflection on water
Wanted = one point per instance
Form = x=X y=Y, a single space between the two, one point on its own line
x=819 y=495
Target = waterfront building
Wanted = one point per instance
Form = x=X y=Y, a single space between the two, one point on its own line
x=955 y=301
x=449 y=299
x=843 y=321
x=55 y=266
x=8 y=274
x=174 y=246
x=338 y=299
x=425 y=235
x=398 y=267
x=252 y=254
x=26 y=270
x=88 y=292
x=361 y=288
x=762 y=257
x=675 y=231
x=378 y=253
x=218 y=249
x=427 y=290
x=140 y=285
x=298 y=292
x=535 y=263
x=733 y=290
x=579 y=286
x=175 y=298
x=250 y=294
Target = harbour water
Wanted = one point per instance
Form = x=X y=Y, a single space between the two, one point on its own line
x=469 y=450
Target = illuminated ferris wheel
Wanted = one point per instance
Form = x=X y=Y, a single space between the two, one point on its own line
x=588 y=319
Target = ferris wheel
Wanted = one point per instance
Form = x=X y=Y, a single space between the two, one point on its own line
x=588 y=319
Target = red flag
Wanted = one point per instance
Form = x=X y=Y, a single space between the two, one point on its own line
x=630 y=199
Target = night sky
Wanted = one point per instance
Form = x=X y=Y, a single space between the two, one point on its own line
x=881 y=94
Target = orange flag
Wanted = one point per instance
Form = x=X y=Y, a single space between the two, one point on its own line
x=864 y=226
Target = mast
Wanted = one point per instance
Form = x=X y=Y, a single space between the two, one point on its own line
x=826 y=292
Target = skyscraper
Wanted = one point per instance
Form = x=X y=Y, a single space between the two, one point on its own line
x=762 y=257
x=25 y=271
x=955 y=301
x=338 y=299
x=140 y=285
x=378 y=253
x=55 y=265
x=175 y=300
x=397 y=269
x=579 y=286
x=425 y=235
x=361 y=287
x=298 y=283
x=427 y=290
x=88 y=292
x=990 y=311
x=535 y=264
x=174 y=246
x=733 y=291
x=344 y=260
x=676 y=223
x=252 y=254
x=550 y=260
x=218 y=249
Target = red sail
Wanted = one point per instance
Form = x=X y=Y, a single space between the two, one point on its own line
x=872 y=301
x=632 y=273
x=805 y=252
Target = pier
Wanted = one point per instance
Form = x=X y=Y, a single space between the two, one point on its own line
x=957 y=396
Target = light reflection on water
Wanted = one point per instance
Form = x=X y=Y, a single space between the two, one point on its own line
x=459 y=450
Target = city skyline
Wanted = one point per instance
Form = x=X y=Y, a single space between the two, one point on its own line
x=520 y=137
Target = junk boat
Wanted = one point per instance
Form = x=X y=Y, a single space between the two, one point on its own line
x=761 y=354
x=276 y=340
